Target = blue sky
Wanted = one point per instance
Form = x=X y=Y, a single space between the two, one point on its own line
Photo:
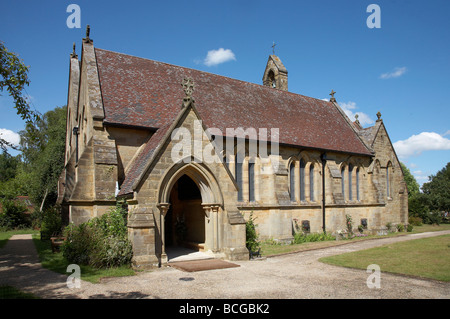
x=401 y=69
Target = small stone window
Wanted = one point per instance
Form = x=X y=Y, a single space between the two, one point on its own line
x=306 y=227
x=271 y=77
x=364 y=223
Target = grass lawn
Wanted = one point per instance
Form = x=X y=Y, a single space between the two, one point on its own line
x=57 y=263
x=8 y=292
x=270 y=249
x=427 y=258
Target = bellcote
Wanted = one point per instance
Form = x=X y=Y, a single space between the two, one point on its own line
x=275 y=74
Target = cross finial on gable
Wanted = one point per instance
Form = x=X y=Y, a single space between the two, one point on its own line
x=188 y=86
x=73 y=54
x=379 y=116
x=332 y=99
x=273 y=48
x=88 y=31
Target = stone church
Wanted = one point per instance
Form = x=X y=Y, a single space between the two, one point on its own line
x=194 y=154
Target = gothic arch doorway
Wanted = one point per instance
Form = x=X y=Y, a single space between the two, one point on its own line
x=190 y=191
x=185 y=220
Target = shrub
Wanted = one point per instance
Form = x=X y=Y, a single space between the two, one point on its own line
x=409 y=228
x=101 y=242
x=415 y=221
x=300 y=238
x=361 y=228
x=400 y=227
x=13 y=215
x=78 y=244
x=433 y=218
x=51 y=223
x=389 y=226
x=349 y=224
x=252 y=243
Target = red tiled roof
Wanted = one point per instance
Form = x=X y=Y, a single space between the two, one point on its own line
x=146 y=93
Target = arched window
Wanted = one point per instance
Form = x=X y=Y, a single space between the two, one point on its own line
x=302 y=179
x=350 y=173
x=292 y=181
x=238 y=177
x=251 y=182
x=272 y=81
x=343 y=181
x=388 y=191
x=357 y=184
x=311 y=182
x=389 y=180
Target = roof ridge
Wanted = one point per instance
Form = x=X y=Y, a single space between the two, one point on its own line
x=214 y=74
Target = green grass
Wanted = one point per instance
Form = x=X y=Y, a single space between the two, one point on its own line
x=8 y=292
x=57 y=263
x=427 y=258
x=270 y=249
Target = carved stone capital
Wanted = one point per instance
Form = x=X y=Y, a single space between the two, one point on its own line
x=163 y=208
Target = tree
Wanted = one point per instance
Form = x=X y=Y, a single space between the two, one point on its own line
x=411 y=183
x=437 y=190
x=14 y=77
x=43 y=146
x=8 y=166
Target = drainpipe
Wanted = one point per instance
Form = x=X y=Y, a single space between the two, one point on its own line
x=323 y=157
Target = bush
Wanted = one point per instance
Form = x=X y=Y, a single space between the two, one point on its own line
x=415 y=221
x=434 y=218
x=252 y=243
x=51 y=223
x=349 y=224
x=101 y=242
x=409 y=228
x=400 y=227
x=300 y=238
x=389 y=226
x=13 y=215
x=361 y=228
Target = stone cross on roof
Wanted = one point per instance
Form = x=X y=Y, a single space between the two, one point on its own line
x=273 y=48
x=188 y=86
x=332 y=99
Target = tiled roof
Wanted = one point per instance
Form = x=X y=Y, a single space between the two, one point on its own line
x=147 y=93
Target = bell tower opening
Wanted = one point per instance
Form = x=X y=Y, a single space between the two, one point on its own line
x=275 y=74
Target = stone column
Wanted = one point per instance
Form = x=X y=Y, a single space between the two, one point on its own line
x=215 y=213
x=208 y=228
x=163 y=208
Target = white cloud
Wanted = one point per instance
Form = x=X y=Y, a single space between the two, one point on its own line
x=215 y=57
x=394 y=74
x=10 y=136
x=349 y=108
x=425 y=141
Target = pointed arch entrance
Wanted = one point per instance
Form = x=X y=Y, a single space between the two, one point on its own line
x=190 y=203
x=184 y=223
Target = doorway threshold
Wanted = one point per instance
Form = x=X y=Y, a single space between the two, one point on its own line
x=175 y=254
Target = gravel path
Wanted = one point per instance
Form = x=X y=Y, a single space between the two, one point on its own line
x=297 y=275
